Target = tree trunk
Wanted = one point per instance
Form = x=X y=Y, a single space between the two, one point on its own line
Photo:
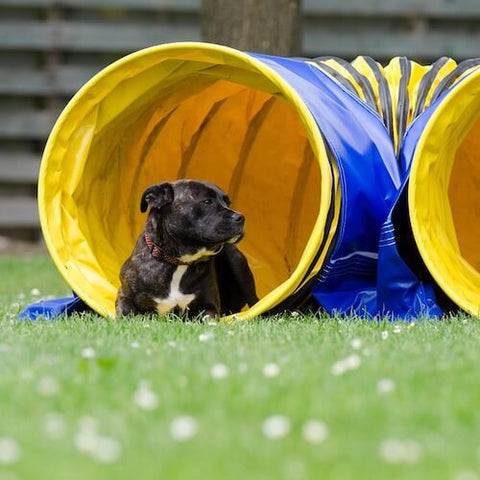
x=267 y=26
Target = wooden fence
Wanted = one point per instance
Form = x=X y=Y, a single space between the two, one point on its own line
x=49 y=48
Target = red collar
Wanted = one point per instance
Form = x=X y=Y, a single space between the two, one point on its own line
x=160 y=255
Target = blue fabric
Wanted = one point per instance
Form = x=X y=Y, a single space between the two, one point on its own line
x=400 y=292
x=370 y=178
x=50 y=309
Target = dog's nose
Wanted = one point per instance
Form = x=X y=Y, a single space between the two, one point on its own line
x=237 y=217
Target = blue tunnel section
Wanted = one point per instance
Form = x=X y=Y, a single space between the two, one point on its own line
x=369 y=176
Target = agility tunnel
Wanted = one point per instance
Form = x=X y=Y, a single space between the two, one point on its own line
x=315 y=153
x=428 y=261
x=442 y=196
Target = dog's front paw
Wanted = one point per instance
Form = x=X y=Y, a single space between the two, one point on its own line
x=209 y=317
x=125 y=306
x=209 y=314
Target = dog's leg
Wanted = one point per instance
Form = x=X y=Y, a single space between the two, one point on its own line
x=204 y=308
x=242 y=273
x=235 y=280
x=124 y=305
x=211 y=311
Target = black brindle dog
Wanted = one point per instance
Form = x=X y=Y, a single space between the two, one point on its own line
x=186 y=260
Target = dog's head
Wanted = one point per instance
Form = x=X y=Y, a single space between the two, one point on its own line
x=193 y=212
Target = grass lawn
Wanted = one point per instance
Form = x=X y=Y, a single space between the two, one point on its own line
x=278 y=398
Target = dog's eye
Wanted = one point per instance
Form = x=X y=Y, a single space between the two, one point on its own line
x=207 y=201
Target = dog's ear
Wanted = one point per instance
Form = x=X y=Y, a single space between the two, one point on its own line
x=157 y=196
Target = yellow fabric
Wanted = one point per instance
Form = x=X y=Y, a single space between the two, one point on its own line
x=184 y=111
x=447 y=68
x=392 y=75
x=444 y=194
x=339 y=68
x=416 y=74
x=361 y=65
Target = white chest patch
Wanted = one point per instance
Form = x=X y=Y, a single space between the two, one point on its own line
x=175 y=297
x=202 y=253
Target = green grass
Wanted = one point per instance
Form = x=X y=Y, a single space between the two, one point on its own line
x=434 y=407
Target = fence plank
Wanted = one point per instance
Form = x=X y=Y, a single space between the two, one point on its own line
x=465 y=9
x=349 y=43
x=65 y=80
x=26 y=125
x=459 y=9
x=19 y=212
x=153 y=5
x=19 y=168
x=80 y=36
x=318 y=38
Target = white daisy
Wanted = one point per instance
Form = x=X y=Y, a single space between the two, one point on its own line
x=400 y=451
x=338 y=368
x=107 y=450
x=183 y=427
x=89 y=441
x=219 y=371
x=86 y=440
x=144 y=397
x=10 y=451
x=276 y=426
x=315 y=431
x=206 y=336
x=271 y=370
x=353 y=361
x=356 y=343
x=385 y=385
x=48 y=386
x=88 y=353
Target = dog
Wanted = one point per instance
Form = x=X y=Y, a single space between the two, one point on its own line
x=186 y=261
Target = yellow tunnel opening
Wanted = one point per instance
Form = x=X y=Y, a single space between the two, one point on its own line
x=183 y=111
x=444 y=194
